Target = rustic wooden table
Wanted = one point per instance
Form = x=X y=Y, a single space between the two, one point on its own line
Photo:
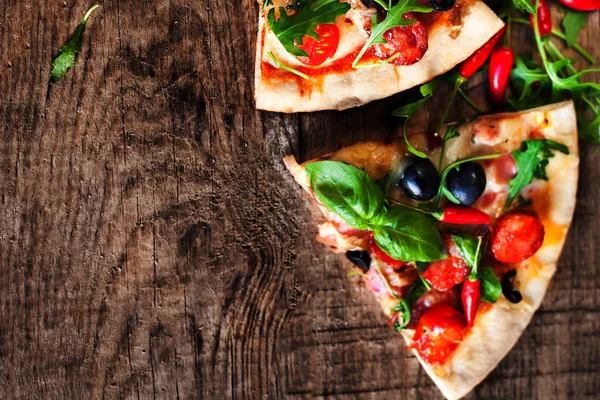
x=152 y=244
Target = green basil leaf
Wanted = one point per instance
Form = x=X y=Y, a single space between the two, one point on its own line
x=409 y=235
x=290 y=30
x=532 y=159
x=347 y=191
x=572 y=23
x=490 y=284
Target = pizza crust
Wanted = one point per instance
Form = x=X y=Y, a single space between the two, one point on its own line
x=497 y=329
x=357 y=87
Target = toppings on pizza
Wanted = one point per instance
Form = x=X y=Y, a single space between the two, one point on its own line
x=439 y=247
x=320 y=49
x=444 y=274
x=404 y=45
x=516 y=237
x=438 y=333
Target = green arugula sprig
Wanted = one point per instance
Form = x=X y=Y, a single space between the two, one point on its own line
x=455 y=165
x=472 y=251
x=405 y=304
x=531 y=159
x=66 y=59
x=566 y=83
x=406 y=111
x=392 y=20
x=280 y=65
x=290 y=30
x=402 y=233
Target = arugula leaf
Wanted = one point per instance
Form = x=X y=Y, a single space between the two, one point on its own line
x=572 y=23
x=290 y=30
x=408 y=235
x=531 y=159
x=392 y=20
x=457 y=164
x=66 y=59
x=490 y=285
x=451 y=133
x=280 y=65
x=347 y=191
x=524 y=5
x=405 y=304
x=407 y=111
x=467 y=245
x=589 y=129
x=531 y=81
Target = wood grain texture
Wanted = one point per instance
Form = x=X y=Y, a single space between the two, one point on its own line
x=153 y=246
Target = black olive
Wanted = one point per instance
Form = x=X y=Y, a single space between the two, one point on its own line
x=360 y=258
x=442 y=5
x=509 y=291
x=373 y=4
x=420 y=179
x=467 y=182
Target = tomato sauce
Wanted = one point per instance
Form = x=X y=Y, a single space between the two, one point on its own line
x=317 y=74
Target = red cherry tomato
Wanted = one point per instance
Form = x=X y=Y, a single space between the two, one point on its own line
x=438 y=334
x=320 y=50
x=383 y=256
x=410 y=42
x=446 y=273
x=516 y=236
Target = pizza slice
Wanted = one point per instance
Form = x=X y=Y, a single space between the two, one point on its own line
x=337 y=54
x=458 y=247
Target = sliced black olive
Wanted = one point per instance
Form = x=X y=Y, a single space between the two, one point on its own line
x=442 y=5
x=360 y=258
x=509 y=291
x=420 y=179
x=467 y=182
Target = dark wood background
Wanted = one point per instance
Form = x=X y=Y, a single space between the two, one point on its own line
x=152 y=244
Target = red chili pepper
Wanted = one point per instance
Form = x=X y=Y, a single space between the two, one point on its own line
x=501 y=63
x=544 y=18
x=463 y=215
x=471 y=292
x=582 y=5
x=477 y=59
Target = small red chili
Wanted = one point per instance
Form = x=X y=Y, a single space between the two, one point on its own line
x=544 y=18
x=582 y=5
x=477 y=59
x=471 y=292
x=501 y=63
x=463 y=215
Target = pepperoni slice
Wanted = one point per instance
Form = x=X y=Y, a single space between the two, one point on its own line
x=410 y=42
x=438 y=333
x=445 y=274
x=516 y=236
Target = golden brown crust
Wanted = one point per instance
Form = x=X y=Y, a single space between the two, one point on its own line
x=448 y=46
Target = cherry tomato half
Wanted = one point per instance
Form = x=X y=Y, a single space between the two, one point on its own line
x=410 y=42
x=516 y=236
x=452 y=270
x=438 y=333
x=320 y=50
